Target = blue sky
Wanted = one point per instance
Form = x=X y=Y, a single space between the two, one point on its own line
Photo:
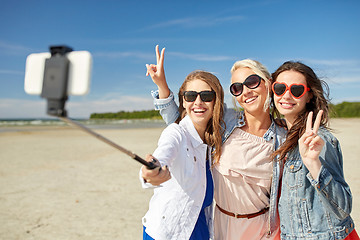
x=206 y=35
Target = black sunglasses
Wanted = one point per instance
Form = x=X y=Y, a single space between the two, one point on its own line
x=205 y=96
x=252 y=82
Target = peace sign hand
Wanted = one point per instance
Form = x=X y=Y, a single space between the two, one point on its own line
x=157 y=73
x=310 y=145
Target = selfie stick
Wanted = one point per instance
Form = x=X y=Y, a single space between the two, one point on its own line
x=55 y=91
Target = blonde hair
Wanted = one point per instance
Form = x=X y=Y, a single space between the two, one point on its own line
x=259 y=70
x=214 y=128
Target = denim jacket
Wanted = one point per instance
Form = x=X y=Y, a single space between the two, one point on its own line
x=315 y=208
x=233 y=119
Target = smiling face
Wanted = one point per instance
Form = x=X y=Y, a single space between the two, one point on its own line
x=288 y=105
x=200 y=112
x=252 y=100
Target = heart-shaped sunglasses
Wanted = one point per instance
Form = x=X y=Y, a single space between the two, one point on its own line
x=296 y=90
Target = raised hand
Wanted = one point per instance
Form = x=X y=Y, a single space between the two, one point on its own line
x=157 y=73
x=157 y=175
x=310 y=145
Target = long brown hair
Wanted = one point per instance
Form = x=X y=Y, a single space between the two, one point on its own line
x=214 y=130
x=319 y=101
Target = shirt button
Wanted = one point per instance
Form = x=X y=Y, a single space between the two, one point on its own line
x=292 y=167
x=144 y=220
x=163 y=217
x=347 y=230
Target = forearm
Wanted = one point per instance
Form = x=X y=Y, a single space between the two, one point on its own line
x=164 y=91
x=335 y=194
x=169 y=111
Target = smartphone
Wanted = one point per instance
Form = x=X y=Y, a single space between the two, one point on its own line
x=78 y=77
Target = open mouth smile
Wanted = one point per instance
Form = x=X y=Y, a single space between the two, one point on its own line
x=287 y=105
x=250 y=100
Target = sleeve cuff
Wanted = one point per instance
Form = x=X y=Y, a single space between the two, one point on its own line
x=323 y=179
x=162 y=103
x=145 y=184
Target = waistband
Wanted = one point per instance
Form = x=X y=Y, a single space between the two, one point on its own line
x=248 y=216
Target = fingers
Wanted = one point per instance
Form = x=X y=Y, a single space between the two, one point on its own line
x=151 y=69
x=147 y=69
x=157 y=54
x=314 y=141
x=161 y=61
x=309 y=126
x=164 y=174
x=157 y=175
x=309 y=122
x=317 y=121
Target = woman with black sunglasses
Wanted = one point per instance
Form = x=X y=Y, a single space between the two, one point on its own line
x=315 y=201
x=245 y=177
x=181 y=207
x=244 y=173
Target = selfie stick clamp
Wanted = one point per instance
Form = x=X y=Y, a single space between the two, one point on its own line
x=56 y=80
x=55 y=91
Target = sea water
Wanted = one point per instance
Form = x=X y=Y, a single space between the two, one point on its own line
x=17 y=124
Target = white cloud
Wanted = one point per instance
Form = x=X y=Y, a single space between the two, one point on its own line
x=18 y=108
x=200 y=57
x=335 y=71
x=193 y=22
x=138 y=55
x=14 y=49
x=3 y=71
x=334 y=62
x=150 y=57
x=345 y=99
x=342 y=79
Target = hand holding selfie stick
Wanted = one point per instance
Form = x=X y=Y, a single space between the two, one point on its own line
x=55 y=88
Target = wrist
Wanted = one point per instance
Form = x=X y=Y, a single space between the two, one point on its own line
x=164 y=91
x=313 y=166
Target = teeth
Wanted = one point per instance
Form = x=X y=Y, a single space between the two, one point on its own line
x=199 y=110
x=250 y=99
x=286 y=104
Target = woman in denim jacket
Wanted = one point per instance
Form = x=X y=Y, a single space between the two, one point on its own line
x=260 y=178
x=315 y=200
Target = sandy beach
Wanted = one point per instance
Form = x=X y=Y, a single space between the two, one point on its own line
x=60 y=183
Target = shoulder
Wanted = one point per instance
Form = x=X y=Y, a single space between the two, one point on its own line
x=331 y=152
x=231 y=112
x=172 y=129
x=232 y=115
x=281 y=128
x=328 y=137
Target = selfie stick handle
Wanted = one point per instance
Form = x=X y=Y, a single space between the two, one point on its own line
x=149 y=165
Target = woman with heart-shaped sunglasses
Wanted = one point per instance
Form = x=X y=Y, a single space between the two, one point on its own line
x=315 y=201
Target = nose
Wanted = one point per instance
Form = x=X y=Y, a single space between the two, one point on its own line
x=198 y=99
x=246 y=90
x=287 y=94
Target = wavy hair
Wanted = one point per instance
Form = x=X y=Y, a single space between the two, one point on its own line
x=319 y=91
x=214 y=129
